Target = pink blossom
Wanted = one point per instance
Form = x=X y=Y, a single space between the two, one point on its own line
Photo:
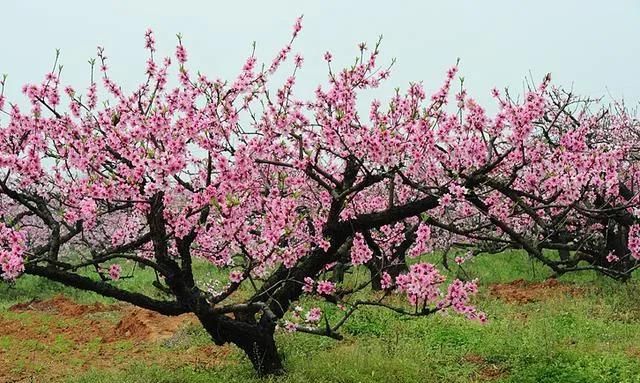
x=181 y=53
x=446 y=200
x=422 y=242
x=458 y=299
x=386 y=281
x=308 y=285
x=297 y=27
x=314 y=315
x=457 y=191
x=12 y=248
x=236 y=276
x=88 y=211
x=634 y=241
x=325 y=288
x=114 y=272
x=421 y=283
x=290 y=326
x=149 y=40
x=360 y=252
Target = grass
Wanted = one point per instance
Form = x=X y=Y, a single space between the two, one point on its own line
x=590 y=336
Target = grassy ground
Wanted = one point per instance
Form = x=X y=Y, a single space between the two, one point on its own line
x=582 y=329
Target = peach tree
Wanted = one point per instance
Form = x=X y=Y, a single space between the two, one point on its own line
x=273 y=191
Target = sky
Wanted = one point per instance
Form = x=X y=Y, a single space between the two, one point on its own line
x=591 y=46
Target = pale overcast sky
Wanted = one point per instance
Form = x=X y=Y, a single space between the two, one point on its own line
x=590 y=44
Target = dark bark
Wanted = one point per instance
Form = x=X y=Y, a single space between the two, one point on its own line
x=343 y=261
x=564 y=254
x=374 y=270
x=385 y=217
x=106 y=289
x=284 y=286
x=617 y=243
x=395 y=264
x=616 y=232
x=563 y=237
x=337 y=276
x=255 y=339
x=377 y=265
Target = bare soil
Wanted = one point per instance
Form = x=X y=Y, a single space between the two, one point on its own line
x=47 y=340
x=522 y=292
x=486 y=371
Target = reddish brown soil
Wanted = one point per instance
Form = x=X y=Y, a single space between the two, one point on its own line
x=486 y=371
x=56 y=338
x=142 y=324
x=522 y=292
x=633 y=352
x=135 y=324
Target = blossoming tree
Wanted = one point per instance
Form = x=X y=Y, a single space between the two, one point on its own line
x=271 y=191
x=572 y=189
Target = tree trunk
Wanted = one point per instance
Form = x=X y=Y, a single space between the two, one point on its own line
x=374 y=270
x=337 y=276
x=255 y=339
x=617 y=243
x=343 y=262
x=564 y=254
x=563 y=237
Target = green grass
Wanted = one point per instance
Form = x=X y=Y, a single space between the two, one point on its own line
x=590 y=337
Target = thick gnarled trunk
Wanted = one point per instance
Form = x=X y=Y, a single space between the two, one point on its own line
x=255 y=339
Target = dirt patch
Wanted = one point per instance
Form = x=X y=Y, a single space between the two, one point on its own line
x=135 y=323
x=47 y=332
x=522 y=292
x=57 y=338
x=633 y=352
x=486 y=371
x=474 y=359
x=139 y=324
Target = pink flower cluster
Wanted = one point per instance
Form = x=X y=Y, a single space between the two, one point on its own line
x=634 y=241
x=308 y=285
x=386 y=282
x=458 y=298
x=360 y=251
x=314 y=315
x=326 y=288
x=236 y=276
x=12 y=248
x=322 y=287
x=115 y=271
x=422 y=245
x=421 y=284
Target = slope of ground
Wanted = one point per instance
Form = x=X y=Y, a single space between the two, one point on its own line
x=580 y=328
